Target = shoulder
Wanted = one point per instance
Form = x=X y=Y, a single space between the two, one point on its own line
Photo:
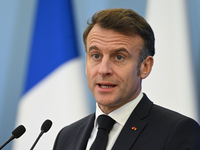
x=172 y=129
x=71 y=134
x=160 y=113
x=181 y=131
x=170 y=116
x=82 y=122
x=166 y=121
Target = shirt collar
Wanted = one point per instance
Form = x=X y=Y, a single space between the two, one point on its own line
x=121 y=114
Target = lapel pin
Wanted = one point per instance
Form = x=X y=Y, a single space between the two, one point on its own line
x=134 y=128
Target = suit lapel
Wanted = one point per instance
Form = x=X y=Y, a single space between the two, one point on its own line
x=134 y=125
x=83 y=133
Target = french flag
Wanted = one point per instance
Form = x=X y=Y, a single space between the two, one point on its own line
x=54 y=87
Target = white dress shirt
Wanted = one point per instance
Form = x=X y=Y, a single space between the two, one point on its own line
x=120 y=115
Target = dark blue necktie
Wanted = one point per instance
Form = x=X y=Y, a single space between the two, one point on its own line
x=105 y=124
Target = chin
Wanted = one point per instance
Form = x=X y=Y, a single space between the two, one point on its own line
x=105 y=101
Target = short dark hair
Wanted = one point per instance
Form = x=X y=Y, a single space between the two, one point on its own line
x=127 y=22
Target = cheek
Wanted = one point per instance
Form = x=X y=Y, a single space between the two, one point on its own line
x=131 y=77
x=91 y=72
x=88 y=73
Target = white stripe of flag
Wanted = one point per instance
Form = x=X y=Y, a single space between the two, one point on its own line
x=171 y=83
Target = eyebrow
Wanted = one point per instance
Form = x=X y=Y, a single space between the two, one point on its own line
x=121 y=50
x=93 y=48
x=115 y=50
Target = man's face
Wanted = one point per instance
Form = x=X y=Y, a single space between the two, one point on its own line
x=111 y=67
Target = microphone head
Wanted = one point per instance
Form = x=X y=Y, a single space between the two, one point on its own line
x=18 y=131
x=46 y=125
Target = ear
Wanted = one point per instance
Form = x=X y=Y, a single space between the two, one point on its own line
x=146 y=66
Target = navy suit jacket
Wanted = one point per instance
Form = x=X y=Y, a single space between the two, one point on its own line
x=157 y=128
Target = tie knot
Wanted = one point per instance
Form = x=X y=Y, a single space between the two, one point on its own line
x=105 y=122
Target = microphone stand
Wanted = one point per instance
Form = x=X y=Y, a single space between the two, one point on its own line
x=41 y=133
x=10 y=139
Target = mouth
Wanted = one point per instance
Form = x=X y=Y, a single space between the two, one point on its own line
x=106 y=86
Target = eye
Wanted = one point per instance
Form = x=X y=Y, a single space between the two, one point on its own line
x=95 y=56
x=119 y=57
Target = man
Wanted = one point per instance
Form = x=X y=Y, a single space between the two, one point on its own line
x=119 y=54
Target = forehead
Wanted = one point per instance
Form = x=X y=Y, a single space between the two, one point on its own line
x=109 y=38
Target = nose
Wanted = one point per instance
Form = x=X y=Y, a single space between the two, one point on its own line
x=105 y=67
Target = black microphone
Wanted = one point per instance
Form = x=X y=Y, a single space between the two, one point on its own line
x=15 y=134
x=44 y=128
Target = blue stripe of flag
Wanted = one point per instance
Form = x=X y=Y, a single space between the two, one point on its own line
x=54 y=40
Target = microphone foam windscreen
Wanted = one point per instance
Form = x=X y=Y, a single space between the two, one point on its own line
x=19 y=131
x=46 y=125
